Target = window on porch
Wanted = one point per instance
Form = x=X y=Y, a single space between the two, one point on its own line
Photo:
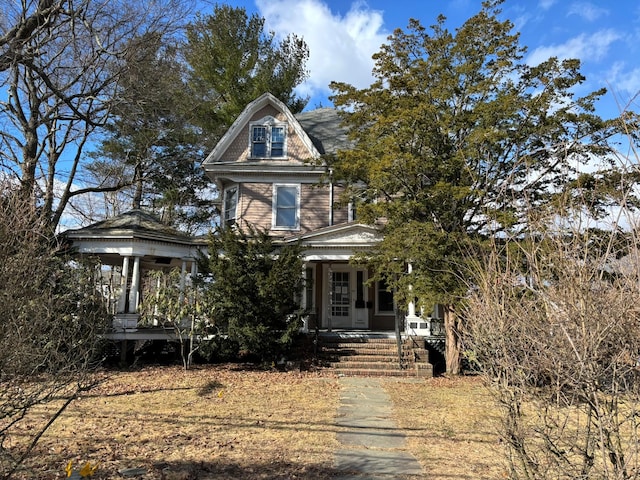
x=384 y=299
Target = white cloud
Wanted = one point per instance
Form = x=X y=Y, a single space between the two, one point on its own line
x=587 y=10
x=584 y=47
x=546 y=4
x=340 y=47
x=624 y=83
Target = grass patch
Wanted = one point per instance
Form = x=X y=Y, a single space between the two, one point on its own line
x=209 y=422
x=451 y=427
x=218 y=422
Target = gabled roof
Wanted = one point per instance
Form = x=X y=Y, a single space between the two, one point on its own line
x=321 y=130
x=337 y=242
x=237 y=126
x=353 y=234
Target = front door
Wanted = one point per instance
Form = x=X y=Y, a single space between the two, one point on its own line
x=346 y=302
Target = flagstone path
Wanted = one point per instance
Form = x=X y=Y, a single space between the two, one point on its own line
x=372 y=444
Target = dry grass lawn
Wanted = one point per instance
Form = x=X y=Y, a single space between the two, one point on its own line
x=216 y=422
x=451 y=427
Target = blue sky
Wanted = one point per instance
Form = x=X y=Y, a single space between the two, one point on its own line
x=342 y=35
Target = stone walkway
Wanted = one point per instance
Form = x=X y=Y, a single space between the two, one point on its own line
x=373 y=447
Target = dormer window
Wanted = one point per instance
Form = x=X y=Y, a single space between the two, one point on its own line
x=268 y=138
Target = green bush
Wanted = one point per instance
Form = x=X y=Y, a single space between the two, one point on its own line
x=255 y=291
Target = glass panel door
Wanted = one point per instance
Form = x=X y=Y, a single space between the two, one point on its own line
x=340 y=301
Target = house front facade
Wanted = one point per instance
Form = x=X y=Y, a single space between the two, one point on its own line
x=268 y=169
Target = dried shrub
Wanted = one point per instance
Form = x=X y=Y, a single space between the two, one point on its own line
x=553 y=319
x=52 y=316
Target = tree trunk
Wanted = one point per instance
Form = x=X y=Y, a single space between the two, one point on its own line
x=399 y=316
x=137 y=180
x=453 y=346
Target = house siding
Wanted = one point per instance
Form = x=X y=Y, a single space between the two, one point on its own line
x=340 y=212
x=255 y=206
x=314 y=207
x=238 y=150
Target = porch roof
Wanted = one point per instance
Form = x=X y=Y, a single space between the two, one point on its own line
x=336 y=242
x=134 y=233
x=132 y=224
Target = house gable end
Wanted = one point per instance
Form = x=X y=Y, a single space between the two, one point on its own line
x=255 y=112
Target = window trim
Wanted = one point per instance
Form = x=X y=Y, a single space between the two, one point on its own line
x=234 y=219
x=274 y=207
x=268 y=123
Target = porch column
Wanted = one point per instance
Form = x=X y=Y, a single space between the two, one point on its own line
x=191 y=279
x=134 y=293
x=411 y=317
x=330 y=302
x=304 y=300
x=411 y=308
x=124 y=277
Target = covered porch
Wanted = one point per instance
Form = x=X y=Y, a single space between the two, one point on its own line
x=339 y=295
x=128 y=247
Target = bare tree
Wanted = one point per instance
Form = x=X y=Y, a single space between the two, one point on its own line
x=553 y=323
x=52 y=317
x=60 y=65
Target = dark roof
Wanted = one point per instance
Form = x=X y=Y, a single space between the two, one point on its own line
x=133 y=220
x=324 y=127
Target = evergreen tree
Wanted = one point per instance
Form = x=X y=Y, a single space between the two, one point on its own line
x=175 y=102
x=232 y=61
x=452 y=133
x=255 y=291
x=151 y=148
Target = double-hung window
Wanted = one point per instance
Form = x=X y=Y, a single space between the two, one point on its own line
x=286 y=207
x=230 y=205
x=268 y=138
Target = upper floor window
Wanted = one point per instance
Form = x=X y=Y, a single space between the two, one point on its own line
x=286 y=207
x=351 y=215
x=230 y=205
x=268 y=138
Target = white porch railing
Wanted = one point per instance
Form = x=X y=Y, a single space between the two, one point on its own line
x=126 y=321
x=424 y=327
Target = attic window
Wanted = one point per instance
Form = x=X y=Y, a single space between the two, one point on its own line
x=268 y=138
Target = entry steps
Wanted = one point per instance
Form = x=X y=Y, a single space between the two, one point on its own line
x=367 y=355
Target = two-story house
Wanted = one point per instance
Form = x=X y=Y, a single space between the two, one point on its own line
x=269 y=171
x=268 y=176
